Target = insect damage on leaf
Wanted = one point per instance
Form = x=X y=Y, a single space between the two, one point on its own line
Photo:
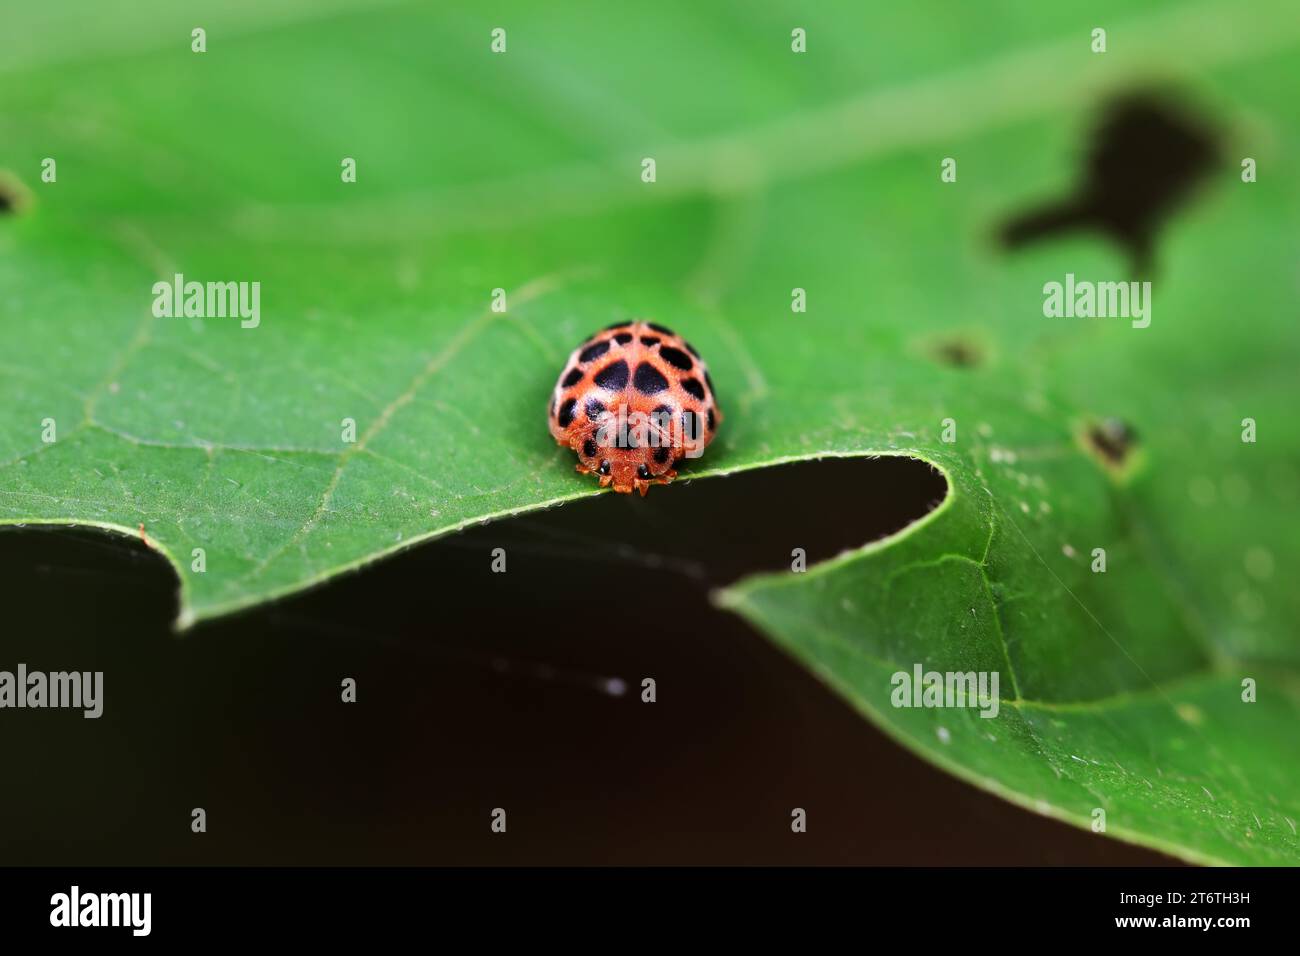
x=957 y=351
x=14 y=197
x=1147 y=158
x=1113 y=442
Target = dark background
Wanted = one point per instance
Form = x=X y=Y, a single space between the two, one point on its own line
x=479 y=690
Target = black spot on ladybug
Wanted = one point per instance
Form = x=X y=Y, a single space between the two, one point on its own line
x=661 y=455
x=694 y=387
x=649 y=380
x=660 y=328
x=604 y=467
x=691 y=348
x=594 y=351
x=613 y=375
x=595 y=408
x=623 y=338
x=572 y=379
x=709 y=378
x=643 y=472
x=566 y=412
x=713 y=422
x=676 y=358
x=649 y=341
x=589 y=448
x=662 y=417
x=691 y=425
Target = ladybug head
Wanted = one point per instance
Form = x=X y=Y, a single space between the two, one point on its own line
x=631 y=452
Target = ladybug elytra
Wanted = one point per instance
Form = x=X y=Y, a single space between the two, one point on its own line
x=633 y=401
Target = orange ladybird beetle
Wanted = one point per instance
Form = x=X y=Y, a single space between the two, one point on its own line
x=633 y=401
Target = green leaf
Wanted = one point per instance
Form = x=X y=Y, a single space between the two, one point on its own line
x=1122 y=691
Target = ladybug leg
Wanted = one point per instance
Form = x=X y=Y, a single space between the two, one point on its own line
x=583 y=469
x=641 y=486
x=605 y=480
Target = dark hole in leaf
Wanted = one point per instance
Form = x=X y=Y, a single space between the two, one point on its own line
x=1146 y=157
x=957 y=352
x=718 y=530
x=1113 y=440
x=473 y=684
x=14 y=197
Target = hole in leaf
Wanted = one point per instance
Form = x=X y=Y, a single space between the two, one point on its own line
x=502 y=687
x=1112 y=440
x=957 y=352
x=719 y=530
x=14 y=197
x=1146 y=157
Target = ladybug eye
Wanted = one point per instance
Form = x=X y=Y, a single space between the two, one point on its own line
x=604 y=467
x=643 y=473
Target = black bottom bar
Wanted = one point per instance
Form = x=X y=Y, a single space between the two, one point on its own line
x=335 y=904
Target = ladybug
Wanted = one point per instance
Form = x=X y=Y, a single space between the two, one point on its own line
x=633 y=401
